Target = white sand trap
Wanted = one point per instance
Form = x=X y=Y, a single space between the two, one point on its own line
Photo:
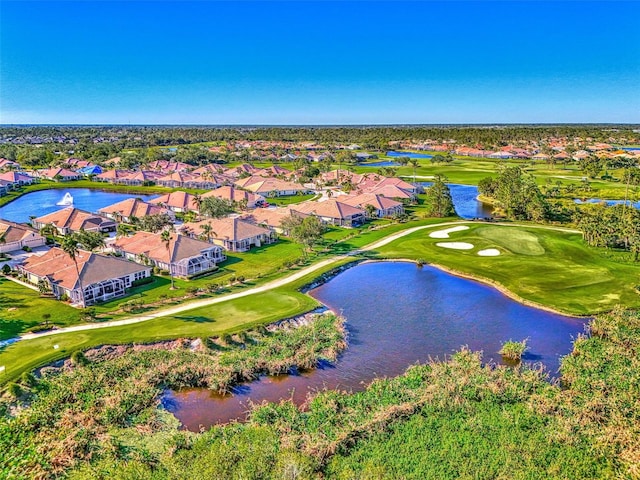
x=489 y=252
x=445 y=233
x=455 y=245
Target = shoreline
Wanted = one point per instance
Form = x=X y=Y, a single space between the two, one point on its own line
x=488 y=282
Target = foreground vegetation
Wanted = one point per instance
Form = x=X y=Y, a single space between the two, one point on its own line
x=75 y=412
x=456 y=419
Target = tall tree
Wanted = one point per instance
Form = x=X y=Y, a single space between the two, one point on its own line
x=69 y=245
x=439 y=202
x=166 y=239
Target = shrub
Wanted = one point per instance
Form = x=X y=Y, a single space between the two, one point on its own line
x=513 y=350
x=26 y=248
x=192 y=290
x=142 y=281
x=14 y=390
x=27 y=379
x=225 y=338
x=6 y=269
x=243 y=337
x=78 y=358
x=240 y=279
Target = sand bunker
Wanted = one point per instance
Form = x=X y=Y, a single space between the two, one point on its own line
x=455 y=245
x=489 y=252
x=445 y=233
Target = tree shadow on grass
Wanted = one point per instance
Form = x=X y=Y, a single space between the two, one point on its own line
x=194 y=318
x=13 y=328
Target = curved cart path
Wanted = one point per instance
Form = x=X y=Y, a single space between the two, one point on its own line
x=262 y=288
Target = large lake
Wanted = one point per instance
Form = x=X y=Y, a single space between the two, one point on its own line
x=397 y=314
x=45 y=201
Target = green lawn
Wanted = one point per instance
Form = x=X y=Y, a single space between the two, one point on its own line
x=470 y=170
x=22 y=309
x=230 y=316
x=548 y=267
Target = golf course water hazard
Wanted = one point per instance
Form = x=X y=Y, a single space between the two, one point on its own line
x=397 y=314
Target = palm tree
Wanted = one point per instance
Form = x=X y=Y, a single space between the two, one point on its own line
x=414 y=163
x=197 y=200
x=69 y=245
x=166 y=238
x=207 y=231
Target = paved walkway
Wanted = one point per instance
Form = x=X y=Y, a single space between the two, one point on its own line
x=252 y=291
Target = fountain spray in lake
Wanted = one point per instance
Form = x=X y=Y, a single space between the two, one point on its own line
x=66 y=200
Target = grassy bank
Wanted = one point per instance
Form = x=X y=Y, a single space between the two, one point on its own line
x=116 y=388
x=547 y=267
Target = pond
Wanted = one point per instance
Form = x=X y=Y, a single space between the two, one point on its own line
x=465 y=200
x=43 y=202
x=408 y=154
x=608 y=202
x=397 y=314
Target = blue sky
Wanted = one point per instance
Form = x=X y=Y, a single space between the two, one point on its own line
x=214 y=62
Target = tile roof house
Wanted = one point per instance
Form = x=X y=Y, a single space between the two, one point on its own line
x=70 y=219
x=8 y=164
x=234 y=234
x=334 y=212
x=272 y=217
x=102 y=278
x=133 y=207
x=384 y=207
x=17 y=236
x=271 y=187
x=17 y=179
x=61 y=174
x=236 y=195
x=177 y=201
x=183 y=256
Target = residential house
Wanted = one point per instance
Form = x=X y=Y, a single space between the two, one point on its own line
x=58 y=174
x=237 y=196
x=272 y=218
x=71 y=219
x=384 y=207
x=17 y=179
x=334 y=212
x=127 y=209
x=102 y=278
x=182 y=256
x=177 y=201
x=271 y=187
x=8 y=164
x=16 y=236
x=234 y=234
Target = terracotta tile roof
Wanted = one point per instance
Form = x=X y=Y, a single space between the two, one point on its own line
x=15 y=232
x=93 y=268
x=233 y=194
x=271 y=217
x=178 y=199
x=15 y=177
x=266 y=185
x=378 y=201
x=73 y=219
x=134 y=207
x=330 y=208
x=152 y=245
x=230 y=229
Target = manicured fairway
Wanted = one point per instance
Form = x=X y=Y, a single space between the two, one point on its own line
x=22 y=308
x=211 y=321
x=548 y=267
